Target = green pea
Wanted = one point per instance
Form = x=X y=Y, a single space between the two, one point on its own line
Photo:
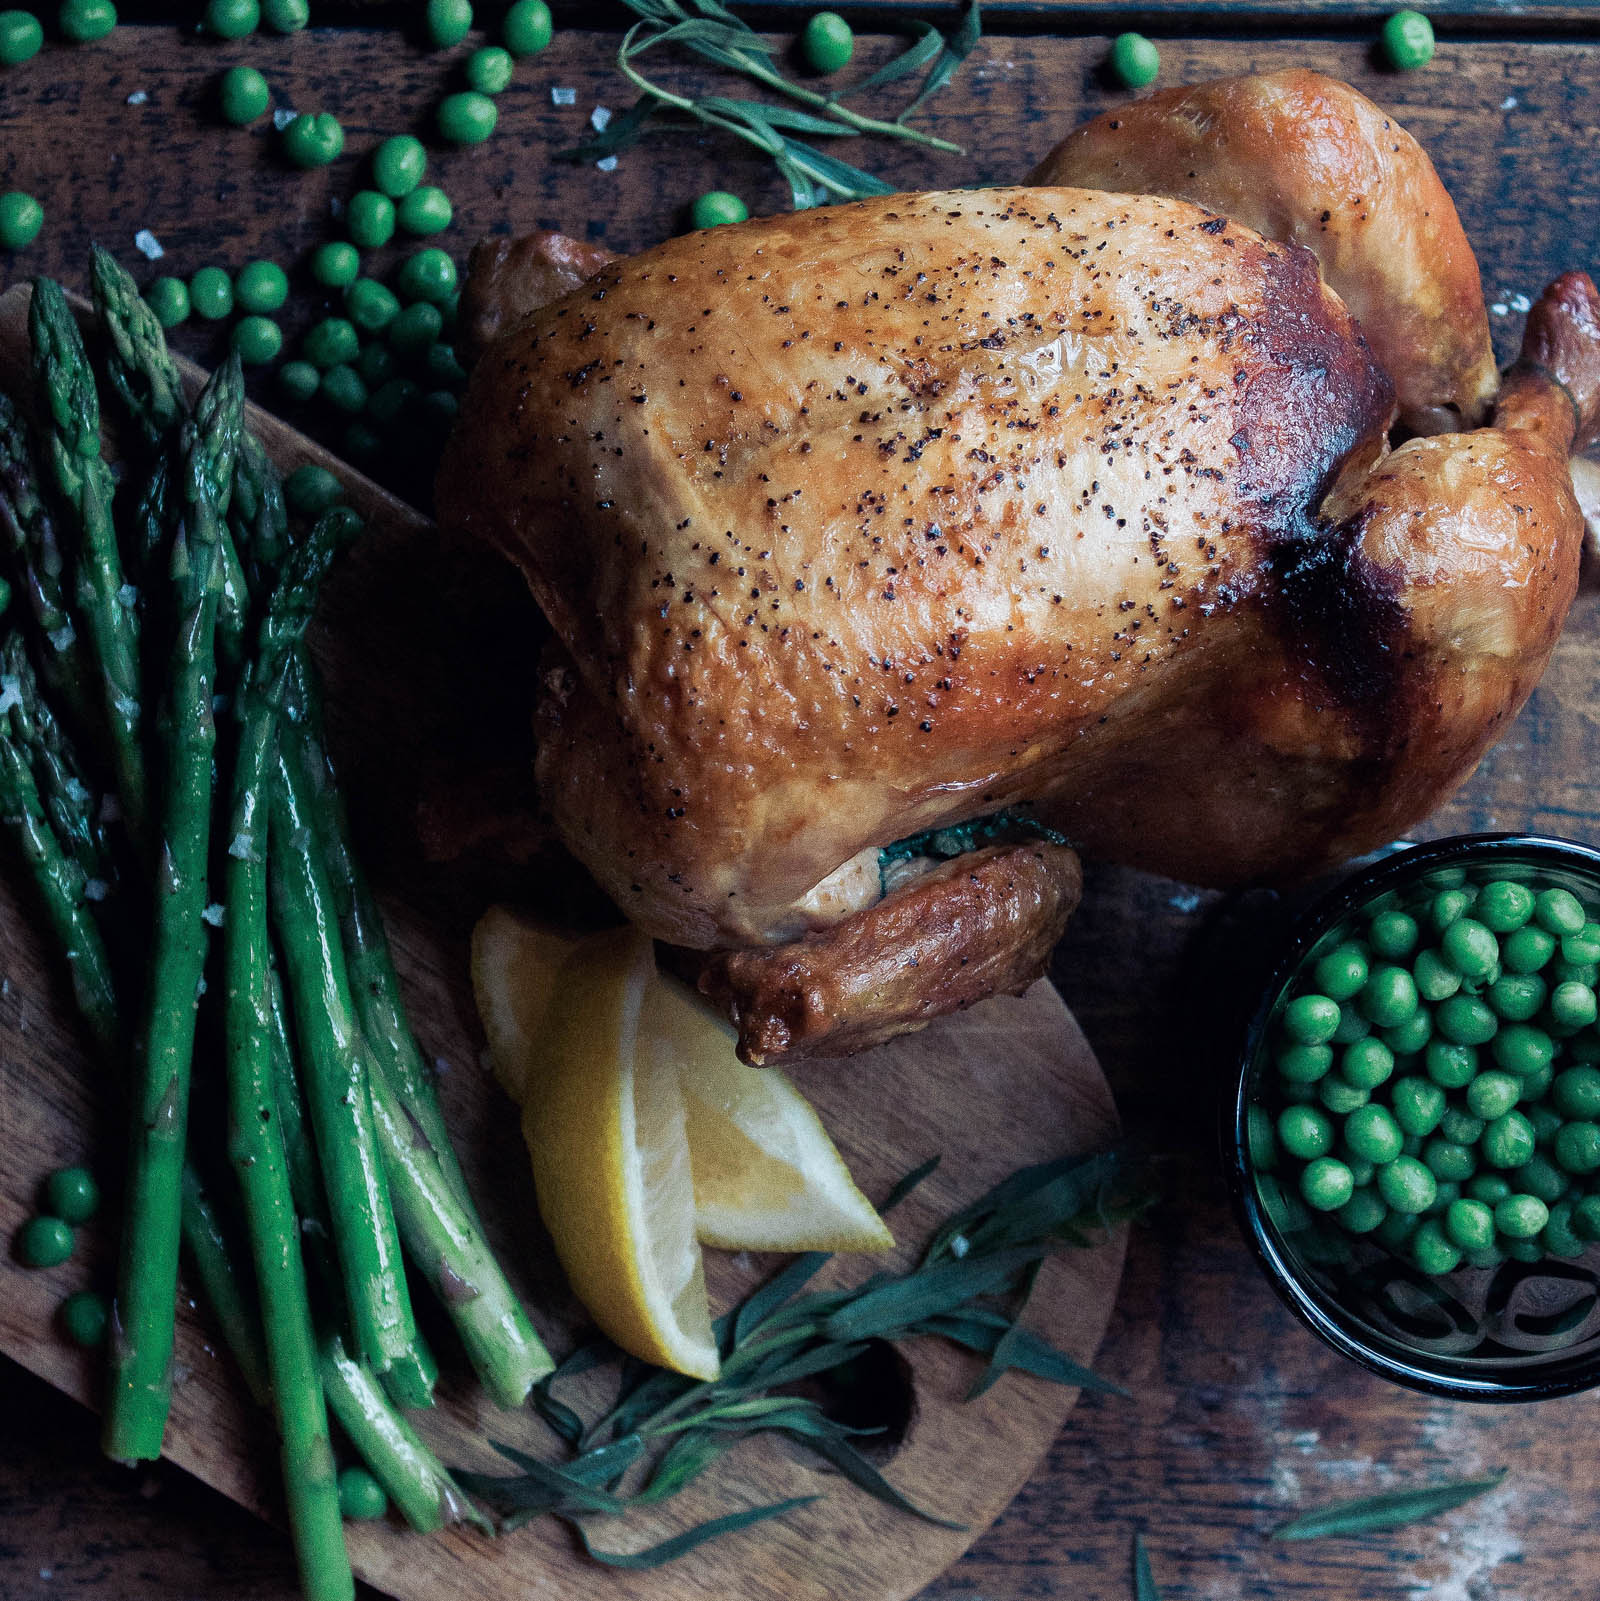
x=1367 y=1063
x=1134 y=61
x=1520 y=1217
x=1418 y=1104
x=1520 y=1048
x=1352 y=1027
x=1470 y=1224
x=1341 y=973
x=285 y=16
x=1396 y=1229
x=451 y=309
x=1491 y=1095
x=398 y=165
x=361 y=443
x=1260 y=1139
x=715 y=208
x=448 y=22
x=21 y=218
x=1527 y=950
x=1561 y=971
x=1389 y=996
x=391 y=402
x=343 y=388
x=417 y=327
x=369 y=219
x=44 y=1242
x=1447 y=1160
x=827 y=42
x=1508 y=1140
x=1503 y=906
x=425 y=211
x=313 y=139
x=1409 y=1037
x=1586 y=1218
x=242 y=96
x=1362 y=1169
x=331 y=342
x=1576 y=1092
x=260 y=286
x=527 y=28
x=299 y=380
x=1364 y=1211
x=428 y=275
x=335 y=265
x=1516 y=996
x=168 y=298
x=1582 y=950
x=490 y=70
x=1466 y=1020
x=312 y=490
x=467 y=118
x=1407 y=1185
x=1304 y=1132
x=1435 y=979
x=84 y=21
x=1447 y=1191
x=1407 y=41
x=1447 y=906
x=1560 y=912
x=1372 y=1133
x=360 y=1495
x=1558 y=1236
x=1449 y=1065
x=1490 y=1188
x=370 y=306
x=377 y=365
x=211 y=294
x=1577 y=1147
x=1339 y=1095
x=1535 y=1086
x=1470 y=948
x=1460 y=1126
x=1539 y=1176
x=442 y=366
x=1547 y=1122
x=439 y=408
x=258 y=340
x=72 y=1194
x=84 y=1318
x=1392 y=935
x=1520 y=1250
x=21 y=37
x=232 y=19
x=1326 y=1184
x=1573 y=1005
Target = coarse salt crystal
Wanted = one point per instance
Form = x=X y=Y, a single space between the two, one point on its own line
x=1499 y=309
x=129 y=596
x=10 y=694
x=214 y=914
x=62 y=638
x=1521 y=303
x=600 y=118
x=138 y=98
x=282 y=117
x=563 y=97
x=1509 y=103
x=607 y=164
x=148 y=245
x=95 y=889
x=243 y=844
x=440 y=1066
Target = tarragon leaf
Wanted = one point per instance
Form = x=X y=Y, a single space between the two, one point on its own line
x=1144 y=1581
x=680 y=1544
x=956 y=50
x=1385 y=1511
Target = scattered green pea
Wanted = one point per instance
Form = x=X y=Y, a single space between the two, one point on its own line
x=1450 y=1065
x=44 y=1242
x=313 y=139
x=428 y=275
x=1573 y=1005
x=1582 y=949
x=1520 y=1217
x=1339 y=1095
x=417 y=327
x=425 y=211
x=1435 y=979
x=390 y=403
x=168 y=298
x=715 y=208
x=467 y=118
x=1508 y=1141
x=1491 y=1095
x=376 y=365
x=285 y=16
x=1135 y=61
x=299 y=380
x=448 y=22
x=343 y=388
x=84 y=21
x=1547 y=1123
x=1326 y=1184
x=369 y=219
x=1406 y=1185
x=84 y=1318
x=311 y=490
x=438 y=407
x=1519 y=1250
x=72 y=1194
x=1447 y=906
x=1393 y=935
x=827 y=42
x=1561 y=971
x=260 y=286
x=370 y=305
x=1539 y=1176
x=1389 y=996
x=232 y=19
x=331 y=342
x=1364 y=1211
x=443 y=367
x=1432 y=1250
x=1577 y=1147
x=1466 y=1020
x=1516 y=997
x=1504 y=906
x=21 y=218
x=1586 y=1217
x=1490 y=1188
x=1448 y=1161
x=1527 y=950
x=1407 y=41
x=1460 y=1126
x=1560 y=912
x=21 y=37
x=1352 y=1027
x=490 y=70
x=1396 y=1229
x=1341 y=973
x=398 y=165
x=1366 y=1064
x=360 y=1495
x=1417 y=1103
x=1411 y=1036
x=258 y=340
x=1371 y=1132
x=1470 y=948
x=1558 y=1237
x=527 y=28
x=211 y=294
x=335 y=265
x=1470 y=1224
x=1523 y=1049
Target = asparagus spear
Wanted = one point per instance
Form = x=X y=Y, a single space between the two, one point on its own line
x=255 y=1141
x=340 y=1100
x=258 y=515
x=140 y=1391
x=72 y=449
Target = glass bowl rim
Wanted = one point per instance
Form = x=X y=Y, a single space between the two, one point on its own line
x=1311 y=1308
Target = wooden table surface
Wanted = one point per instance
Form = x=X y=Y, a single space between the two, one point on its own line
x=1237 y=1414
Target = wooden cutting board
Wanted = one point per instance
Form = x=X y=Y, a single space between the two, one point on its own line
x=1010 y=1082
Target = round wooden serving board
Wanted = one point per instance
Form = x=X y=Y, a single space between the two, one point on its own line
x=1010 y=1082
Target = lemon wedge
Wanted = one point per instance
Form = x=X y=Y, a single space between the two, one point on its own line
x=648 y=1135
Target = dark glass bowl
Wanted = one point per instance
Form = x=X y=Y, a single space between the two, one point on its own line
x=1515 y=1332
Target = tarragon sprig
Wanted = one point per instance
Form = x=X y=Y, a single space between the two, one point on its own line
x=708 y=29
x=970 y=1286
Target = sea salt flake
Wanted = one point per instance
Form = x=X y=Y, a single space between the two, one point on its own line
x=1509 y=103
x=129 y=596
x=607 y=164
x=215 y=914
x=95 y=889
x=959 y=1245
x=148 y=245
x=563 y=97
x=138 y=98
x=600 y=118
x=243 y=844
x=62 y=638
x=282 y=117
x=1521 y=303
x=1499 y=309
x=10 y=694
x=1186 y=900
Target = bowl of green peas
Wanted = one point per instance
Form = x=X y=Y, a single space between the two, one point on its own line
x=1415 y=1138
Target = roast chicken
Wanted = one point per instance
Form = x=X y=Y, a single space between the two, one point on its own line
x=896 y=551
